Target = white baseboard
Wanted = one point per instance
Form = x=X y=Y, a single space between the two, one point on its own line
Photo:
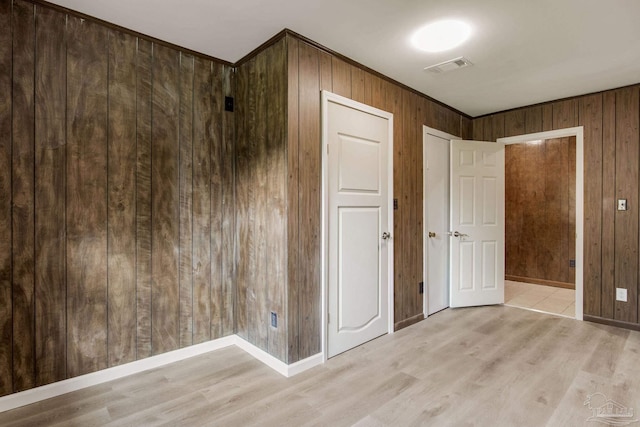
x=48 y=391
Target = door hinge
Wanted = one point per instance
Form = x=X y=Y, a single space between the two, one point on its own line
x=395 y=204
x=421 y=287
x=328 y=317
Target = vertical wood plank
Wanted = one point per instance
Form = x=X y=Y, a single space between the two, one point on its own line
x=626 y=222
x=591 y=118
x=206 y=200
x=228 y=203
x=466 y=128
x=23 y=192
x=242 y=205
x=497 y=126
x=608 y=203
x=547 y=117
x=341 y=77
x=369 y=83
x=276 y=197
x=514 y=123
x=50 y=159
x=165 y=200
x=86 y=209
x=478 y=129
x=185 y=132
x=6 y=302
x=143 y=198
x=122 y=199
x=293 y=217
x=260 y=314
x=309 y=193
x=564 y=114
x=357 y=84
x=408 y=209
x=326 y=72
x=488 y=128
x=533 y=120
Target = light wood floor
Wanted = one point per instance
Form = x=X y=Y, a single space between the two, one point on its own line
x=486 y=366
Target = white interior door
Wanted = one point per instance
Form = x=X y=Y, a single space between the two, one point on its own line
x=360 y=218
x=477 y=223
x=436 y=210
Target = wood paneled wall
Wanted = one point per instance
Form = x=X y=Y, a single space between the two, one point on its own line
x=612 y=161
x=540 y=211
x=311 y=70
x=116 y=195
x=261 y=199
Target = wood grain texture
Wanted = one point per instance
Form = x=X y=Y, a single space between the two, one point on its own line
x=326 y=70
x=547 y=117
x=626 y=222
x=87 y=85
x=293 y=208
x=143 y=198
x=564 y=114
x=50 y=166
x=6 y=300
x=207 y=204
x=276 y=220
x=165 y=200
x=590 y=113
x=514 y=123
x=309 y=195
x=608 y=203
x=185 y=266
x=357 y=84
x=122 y=199
x=341 y=77
x=533 y=120
x=23 y=138
x=228 y=203
x=478 y=129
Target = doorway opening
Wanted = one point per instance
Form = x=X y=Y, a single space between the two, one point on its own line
x=544 y=221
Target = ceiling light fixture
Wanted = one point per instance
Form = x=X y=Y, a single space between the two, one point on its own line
x=441 y=35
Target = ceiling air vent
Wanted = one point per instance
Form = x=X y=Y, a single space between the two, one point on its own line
x=452 y=64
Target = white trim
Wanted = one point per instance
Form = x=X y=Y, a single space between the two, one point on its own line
x=332 y=97
x=578 y=132
x=48 y=391
x=37 y=394
x=426 y=130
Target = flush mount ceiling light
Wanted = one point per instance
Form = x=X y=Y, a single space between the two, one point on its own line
x=441 y=35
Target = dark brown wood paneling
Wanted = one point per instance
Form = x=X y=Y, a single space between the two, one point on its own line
x=564 y=114
x=309 y=193
x=626 y=222
x=6 y=303
x=143 y=199
x=547 y=117
x=185 y=266
x=478 y=129
x=514 y=123
x=608 y=203
x=293 y=209
x=122 y=199
x=277 y=198
x=466 y=128
x=228 y=203
x=341 y=77
x=533 y=120
x=87 y=84
x=23 y=193
x=165 y=200
x=591 y=118
x=207 y=298
x=50 y=166
x=326 y=72
x=242 y=203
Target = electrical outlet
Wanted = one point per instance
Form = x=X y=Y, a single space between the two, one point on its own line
x=274 y=319
x=572 y=263
x=622 y=204
x=621 y=294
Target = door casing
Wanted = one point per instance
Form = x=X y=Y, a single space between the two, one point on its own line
x=324 y=250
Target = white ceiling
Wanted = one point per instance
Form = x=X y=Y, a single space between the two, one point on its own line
x=523 y=51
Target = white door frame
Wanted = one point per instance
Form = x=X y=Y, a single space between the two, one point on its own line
x=578 y=132
x=324 y=249
x=426 y=130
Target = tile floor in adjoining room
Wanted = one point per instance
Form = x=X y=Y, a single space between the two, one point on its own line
x=539 y=297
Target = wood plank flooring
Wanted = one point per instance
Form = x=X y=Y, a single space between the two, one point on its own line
x=485 y=366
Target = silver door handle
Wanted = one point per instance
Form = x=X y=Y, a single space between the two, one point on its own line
x=386 y=235
x=457 y=234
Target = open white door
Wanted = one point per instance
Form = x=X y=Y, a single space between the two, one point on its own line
x=358 y=190
x=477 y=223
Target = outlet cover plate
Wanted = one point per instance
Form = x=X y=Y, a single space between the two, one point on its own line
x=622 y=204
x=621 y=294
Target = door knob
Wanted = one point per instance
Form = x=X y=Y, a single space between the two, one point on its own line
x=386 y=235
x=432 y=234
x=457 y=234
